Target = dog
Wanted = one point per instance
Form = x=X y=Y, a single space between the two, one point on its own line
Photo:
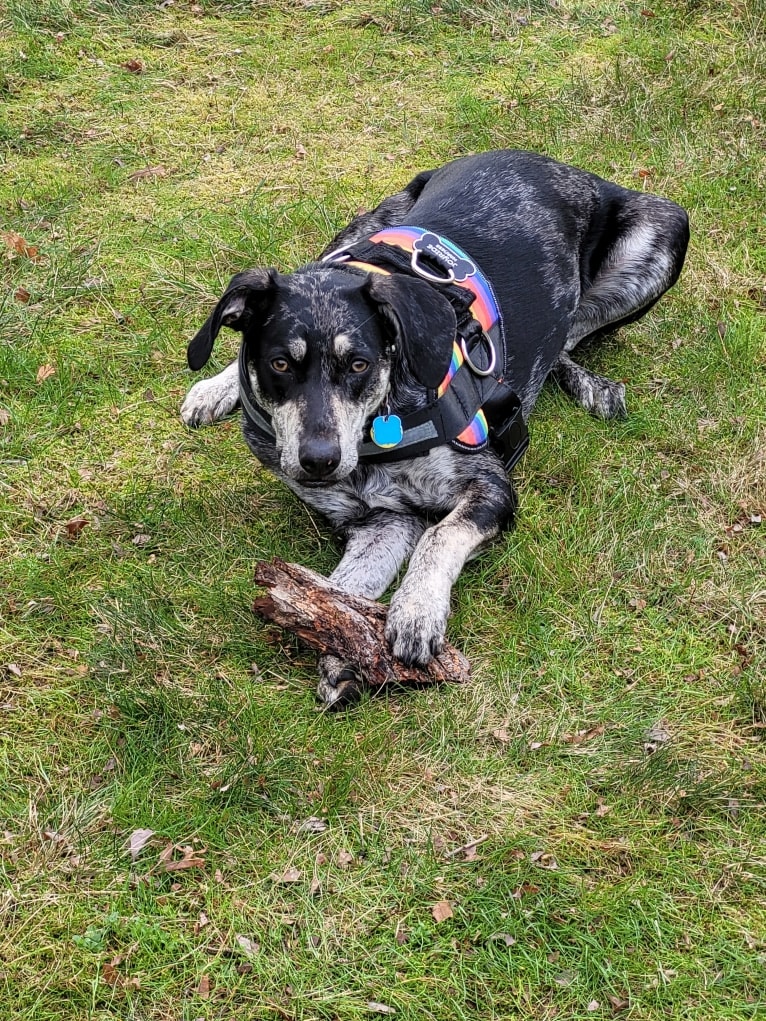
x=388 y=383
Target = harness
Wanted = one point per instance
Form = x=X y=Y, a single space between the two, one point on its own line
x=473 y=408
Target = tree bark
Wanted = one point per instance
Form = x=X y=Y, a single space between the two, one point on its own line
x=343 y=625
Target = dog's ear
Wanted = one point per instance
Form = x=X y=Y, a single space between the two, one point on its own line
x=423 y=322
x=248 y=296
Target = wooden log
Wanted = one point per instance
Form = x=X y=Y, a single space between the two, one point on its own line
x=343 y=625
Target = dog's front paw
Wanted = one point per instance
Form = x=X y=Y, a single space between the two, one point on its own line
x=340 y=684
x=415 y=629
x=207 y=401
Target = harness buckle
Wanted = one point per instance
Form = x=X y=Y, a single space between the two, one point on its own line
x=492 y=356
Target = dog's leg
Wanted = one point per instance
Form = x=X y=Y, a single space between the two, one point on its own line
x=213 y=398
x=375 y=551
x=417 y=617
x=600 y=396
x=641 y=260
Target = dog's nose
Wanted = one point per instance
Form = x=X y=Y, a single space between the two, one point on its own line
x=319 y=457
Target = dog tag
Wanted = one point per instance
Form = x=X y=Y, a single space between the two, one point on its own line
x=387 y=431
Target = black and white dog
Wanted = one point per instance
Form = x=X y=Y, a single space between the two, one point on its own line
x=388 y=383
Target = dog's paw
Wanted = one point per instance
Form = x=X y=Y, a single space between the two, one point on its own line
x=208 y=401
x=340 y=684
x=415 y=630
x=606 y=398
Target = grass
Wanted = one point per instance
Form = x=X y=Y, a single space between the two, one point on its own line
x=609 y=753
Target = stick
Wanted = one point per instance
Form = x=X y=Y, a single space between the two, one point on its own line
x=349 y=627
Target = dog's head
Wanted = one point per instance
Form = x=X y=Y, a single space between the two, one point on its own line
x=324 y=346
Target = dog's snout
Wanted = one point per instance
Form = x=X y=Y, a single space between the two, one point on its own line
x=319 y=457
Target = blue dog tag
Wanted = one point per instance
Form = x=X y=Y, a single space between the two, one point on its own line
x=387 y=431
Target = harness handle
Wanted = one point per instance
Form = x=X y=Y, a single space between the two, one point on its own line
x=426 y=274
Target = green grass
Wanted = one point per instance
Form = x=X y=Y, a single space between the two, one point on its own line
x=610 y=750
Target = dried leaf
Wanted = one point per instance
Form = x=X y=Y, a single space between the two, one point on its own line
x=16 y=245
x=618 y=1003
x=203 y=989
x=655 y=736
x=74 y=527
x=5 y=416
x=133 y=66
x=503 y=937
x=138 y=840
x=110 y=975
x=291 y=875
x=442 y=910
x=22 y=295
x=582 y=736
x=311 y=825
x=45 y=372
x=345 y=858
x=380 y=1008
x=248 y=946
x=501 y=735
x=191 y=860
x=147 y=173
x=300 y=152
x=593 y=1005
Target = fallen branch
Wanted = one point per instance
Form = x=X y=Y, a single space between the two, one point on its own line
x=349 y=627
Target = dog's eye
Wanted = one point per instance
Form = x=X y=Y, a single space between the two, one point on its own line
x=359 y=365
x=280 y=365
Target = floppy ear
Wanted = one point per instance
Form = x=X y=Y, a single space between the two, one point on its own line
x=248 y=295
x=423 y=320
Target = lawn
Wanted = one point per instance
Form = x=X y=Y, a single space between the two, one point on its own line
x=581 y=831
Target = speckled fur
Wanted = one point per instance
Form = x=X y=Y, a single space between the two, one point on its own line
x=569 y=255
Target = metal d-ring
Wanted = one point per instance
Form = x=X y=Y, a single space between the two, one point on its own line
x=492 y=359
x=431 y=277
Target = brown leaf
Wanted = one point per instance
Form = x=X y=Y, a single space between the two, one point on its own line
x=345 y=858
x=22 y=295
x=16 y=245
x=137 y=841
x=617 y=1002
x=73 y=529
x=133 y=66
x=300 y=152
x=248 y=946
x=637 y=604
x=442 y=910
x=110 y=975
x=5 y=416
x=203 y=989
x=191 y=860
x=380 y=1008
x=581 y=736
x=147 y=172
x=291 y=875
x=45 y=372
x=501 y=735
